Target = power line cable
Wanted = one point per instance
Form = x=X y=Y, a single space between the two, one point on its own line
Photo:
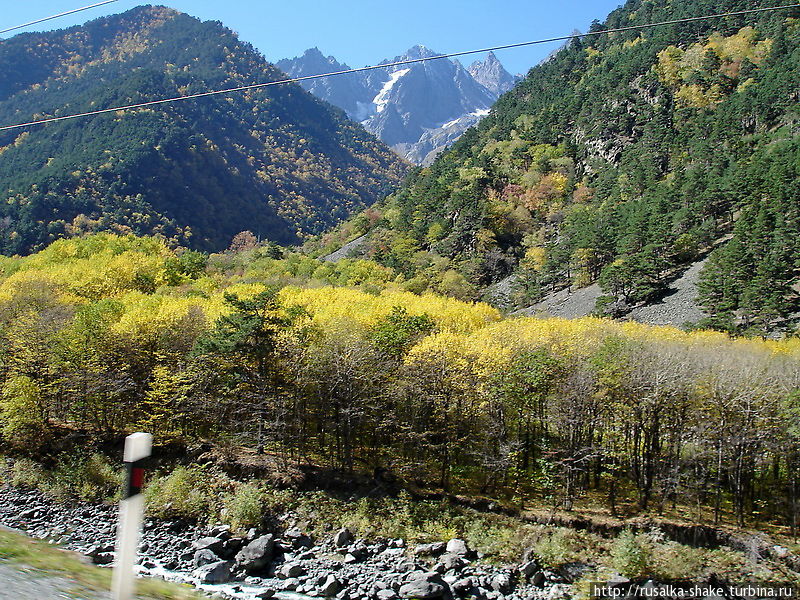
x=395 y=64
x=50 y=18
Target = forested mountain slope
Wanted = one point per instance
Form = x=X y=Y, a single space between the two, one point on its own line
x=275 y=161
x=623 y=159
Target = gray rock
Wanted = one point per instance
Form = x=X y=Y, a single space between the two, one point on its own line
x=297 y=539
x=538 y=579
x=434 y=549
x=387 y=594
x=291 y=584
x=502 y=583
x=343 y=537
x=231 y=547
x=257 y=554
x=331 y=586
x=222 y=532
x=265 y=594
x=529 y=569
x=559 y=591
x=214 y=544
x=459 y=547
x=452 y=562
x=218 y=572
x=204 y=557
x=461 y=586
x=103 y=558
x=424 y=586
x=291 y=570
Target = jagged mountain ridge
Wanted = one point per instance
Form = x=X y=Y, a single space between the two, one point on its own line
x=418 y=109
x=276 y=161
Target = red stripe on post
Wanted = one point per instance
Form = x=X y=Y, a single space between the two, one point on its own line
x=137 y=477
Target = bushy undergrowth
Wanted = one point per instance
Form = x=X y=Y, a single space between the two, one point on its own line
x=245 y=507
x=186 y=492
x=90 y=478
x=632 y=554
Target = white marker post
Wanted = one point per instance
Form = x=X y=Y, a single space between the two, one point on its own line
x=131 y=512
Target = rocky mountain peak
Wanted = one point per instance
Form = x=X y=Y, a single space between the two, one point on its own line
x=492 y=75
x=417 y=108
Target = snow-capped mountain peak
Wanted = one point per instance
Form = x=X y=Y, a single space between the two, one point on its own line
x=416 y=108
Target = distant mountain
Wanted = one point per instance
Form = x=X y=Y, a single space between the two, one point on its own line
x=418 y=109
x=275 y=161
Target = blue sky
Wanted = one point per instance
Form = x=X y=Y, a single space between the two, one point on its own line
x=361 y=32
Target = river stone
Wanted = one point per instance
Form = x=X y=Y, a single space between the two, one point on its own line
x=103 y=558
x=457 y=546
x=434 y=549
x=291 y=570
x=204 y=557
x=538 y=579
x=214 y=544
x=343 y=537
x=291 y=584
x=529 y=569
x=331 y=586
x=501 y=583
x=461 y=586
x=265 y=594
x=257 y=554
x=222 y=532
x=387 y=594
x=231 y=547
x=452 y=562
x=424 y=586
x=218 y=572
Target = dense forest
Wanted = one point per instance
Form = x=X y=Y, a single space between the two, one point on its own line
x=275 y=161
x=621 y=160
x=108 y=334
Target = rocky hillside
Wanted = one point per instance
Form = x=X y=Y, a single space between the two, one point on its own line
x=418 y=109
x=620 y=161
x=275 y=161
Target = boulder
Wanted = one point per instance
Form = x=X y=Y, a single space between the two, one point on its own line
x=434 y=549
x=529 y=569
x=342 y=538
x=331 y=586
x=291 y=570
x=452 y=562
x=424 y=586
x=204 y=557
x=502 y=583
x=217 y=572
x=222 y=532
x=459 y=547
x=290 y=584
x=103 y=558
x=538 y=579
x=214 y=544
x=265 y=594
x=387 y=594
x=462 y=586
x=231 y=547
x=257 y=554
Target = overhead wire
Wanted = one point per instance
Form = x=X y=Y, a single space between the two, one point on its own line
x=59 y=15
x=255 y=86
